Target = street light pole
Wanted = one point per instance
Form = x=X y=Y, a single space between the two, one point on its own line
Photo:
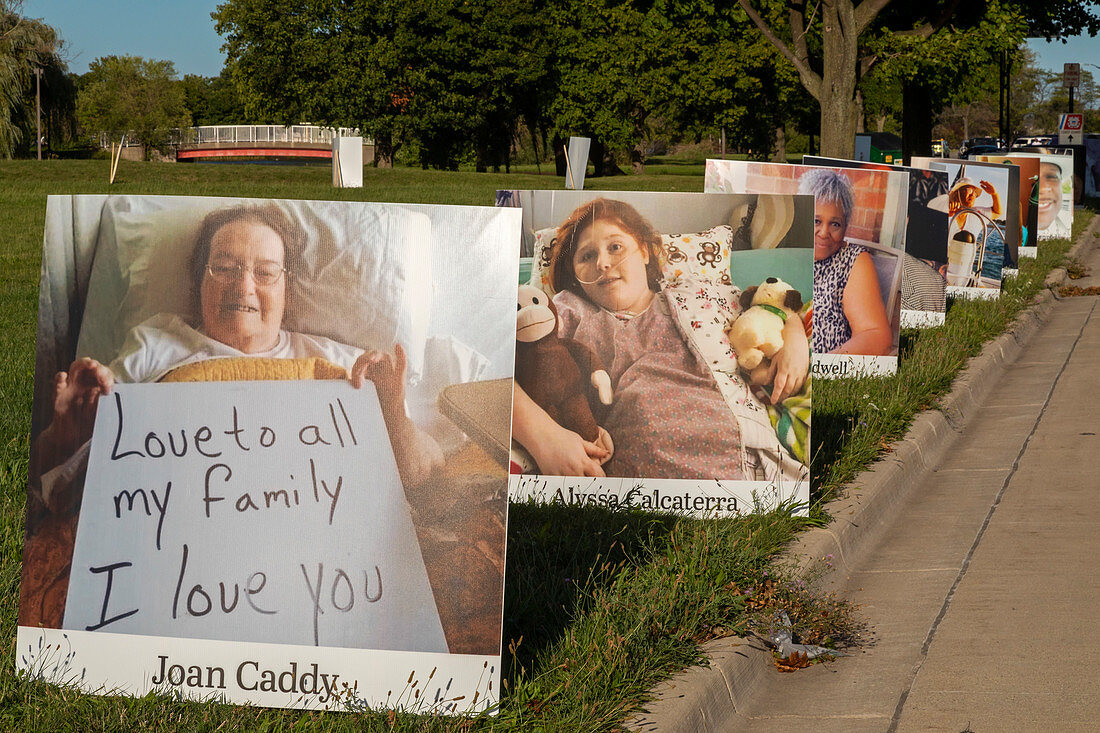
x=38 y=107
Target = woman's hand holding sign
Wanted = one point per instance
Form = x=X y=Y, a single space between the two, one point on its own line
x=416 y=453
x=76 y=394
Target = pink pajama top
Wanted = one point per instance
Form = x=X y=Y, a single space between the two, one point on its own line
x=667 y=418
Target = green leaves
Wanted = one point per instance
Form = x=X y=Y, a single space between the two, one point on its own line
x=24 y=45
x=123 y=94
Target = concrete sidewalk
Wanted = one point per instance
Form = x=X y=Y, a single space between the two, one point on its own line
x=980 y=584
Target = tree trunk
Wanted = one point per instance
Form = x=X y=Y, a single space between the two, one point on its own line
x=597 y=153
x=637 y=160
x=559 y=157
x=916 y=121
x=839 y=108
x=610 y=167
x=383 y=151
x=780 y=155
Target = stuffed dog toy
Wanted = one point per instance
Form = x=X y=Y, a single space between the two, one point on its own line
x=757 y=333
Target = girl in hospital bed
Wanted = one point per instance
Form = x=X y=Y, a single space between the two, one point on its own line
x=668 y=417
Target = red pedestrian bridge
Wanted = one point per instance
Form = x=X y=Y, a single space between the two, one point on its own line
x=276 y=142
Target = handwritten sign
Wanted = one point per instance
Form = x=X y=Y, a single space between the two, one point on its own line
x=262 y=512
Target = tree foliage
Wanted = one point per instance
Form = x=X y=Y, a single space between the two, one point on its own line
x=452 y=74
x=123 y=94
x=448 y=81
x=458 y=80
x=834 y=44
x=212 y=100
x=25 y=45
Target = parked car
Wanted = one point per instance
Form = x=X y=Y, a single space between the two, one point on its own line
x=1035 y=141
x=976 y=150
x=970 y=143
x=941 y=149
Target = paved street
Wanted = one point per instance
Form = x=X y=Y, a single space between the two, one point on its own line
x=983 y=595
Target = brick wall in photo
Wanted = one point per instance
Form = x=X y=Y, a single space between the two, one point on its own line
x=868 y=186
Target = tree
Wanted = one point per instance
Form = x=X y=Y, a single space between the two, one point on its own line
x=25 y=45
x=717 y=73
x=280 y=57
x=212 y=100
x=628 y=74
x=825 y=41
x=469 y=69
x=455 y=76
x=955 y=63
x=602 y=76
x=123 y=94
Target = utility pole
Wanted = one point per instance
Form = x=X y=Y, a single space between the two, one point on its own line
x=38 y=107
x=1005 y=98
x=1002 y=86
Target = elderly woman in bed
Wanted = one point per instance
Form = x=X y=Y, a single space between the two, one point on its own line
x=240 y=267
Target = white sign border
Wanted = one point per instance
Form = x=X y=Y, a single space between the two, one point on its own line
x=103 y=663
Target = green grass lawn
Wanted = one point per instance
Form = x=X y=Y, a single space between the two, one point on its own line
x=599 y=606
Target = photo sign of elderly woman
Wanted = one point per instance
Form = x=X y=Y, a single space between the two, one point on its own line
x=242 y=261
x=849 y=314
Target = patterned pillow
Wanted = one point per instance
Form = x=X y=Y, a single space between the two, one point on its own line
x=704 y=255
x=540 y=264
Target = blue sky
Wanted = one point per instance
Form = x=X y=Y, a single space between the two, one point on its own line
x=183 y=32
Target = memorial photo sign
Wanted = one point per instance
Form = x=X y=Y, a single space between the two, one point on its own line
x=924 y=270
x=985 y=231
x=1054 y=196
x=245 y=484
x=859 y=242
x=640 y=381
x=1029 y=197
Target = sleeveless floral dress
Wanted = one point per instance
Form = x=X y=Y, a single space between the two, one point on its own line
x=831 y=327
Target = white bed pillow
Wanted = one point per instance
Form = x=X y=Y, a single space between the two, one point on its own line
x=364 y=280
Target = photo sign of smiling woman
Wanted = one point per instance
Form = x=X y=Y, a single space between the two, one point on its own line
x=859 y=241
x=241 y=483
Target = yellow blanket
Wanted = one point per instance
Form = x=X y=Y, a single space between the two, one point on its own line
x=246 y=369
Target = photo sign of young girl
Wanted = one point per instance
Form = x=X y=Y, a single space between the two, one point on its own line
x=859 y=240
x=662 y=361
x=924 y=264
x=984 y=231
x=241 y=487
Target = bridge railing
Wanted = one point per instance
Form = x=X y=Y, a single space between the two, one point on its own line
x=208 y=134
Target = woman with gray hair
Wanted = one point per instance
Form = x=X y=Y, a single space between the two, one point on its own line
x=849 y=315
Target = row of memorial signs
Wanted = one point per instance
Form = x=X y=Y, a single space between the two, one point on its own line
x=216 y=510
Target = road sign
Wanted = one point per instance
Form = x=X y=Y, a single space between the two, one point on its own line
x=1071 y=75
x=1071 y=128
x=1073 y=122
